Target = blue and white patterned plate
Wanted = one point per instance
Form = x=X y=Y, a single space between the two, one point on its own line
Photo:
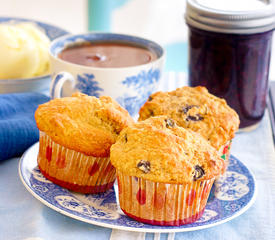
x=231 y=196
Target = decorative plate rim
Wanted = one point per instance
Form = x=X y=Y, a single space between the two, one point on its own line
x=134 y=229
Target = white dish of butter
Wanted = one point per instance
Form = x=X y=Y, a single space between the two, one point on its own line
x=24 y=60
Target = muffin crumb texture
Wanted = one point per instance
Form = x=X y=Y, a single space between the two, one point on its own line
x=83 y=123
x=158 y=150
x=195 y=108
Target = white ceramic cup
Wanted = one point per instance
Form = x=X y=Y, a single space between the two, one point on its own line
x=129 y=86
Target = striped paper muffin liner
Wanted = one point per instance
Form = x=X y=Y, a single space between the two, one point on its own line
x=162 y=204
x=74 y=170
x=224 y=152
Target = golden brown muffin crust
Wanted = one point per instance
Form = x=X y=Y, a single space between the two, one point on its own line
x=158 y=150
x=195 y=108
x=83 y=123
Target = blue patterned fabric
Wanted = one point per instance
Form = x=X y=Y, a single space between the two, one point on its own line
x=18 y=129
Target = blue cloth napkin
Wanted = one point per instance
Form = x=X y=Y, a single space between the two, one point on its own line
x=18 y=129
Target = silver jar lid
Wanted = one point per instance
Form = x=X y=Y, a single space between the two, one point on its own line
x=231 y=16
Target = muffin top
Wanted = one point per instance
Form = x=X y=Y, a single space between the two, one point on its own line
x=83 y=123
x=158 y=150
x=195 y=108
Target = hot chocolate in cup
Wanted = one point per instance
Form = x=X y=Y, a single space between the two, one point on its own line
x=125 y=67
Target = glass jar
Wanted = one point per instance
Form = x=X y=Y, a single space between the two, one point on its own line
x=229 y=52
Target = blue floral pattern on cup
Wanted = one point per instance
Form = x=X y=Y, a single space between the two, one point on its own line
x=87 y=84
x=143 y=84
x=129 y=86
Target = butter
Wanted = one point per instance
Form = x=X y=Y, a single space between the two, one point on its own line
x=23 y=51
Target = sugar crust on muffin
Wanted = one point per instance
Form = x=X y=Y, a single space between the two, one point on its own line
x=83 y=123
x=195 y=108
x=158 y=150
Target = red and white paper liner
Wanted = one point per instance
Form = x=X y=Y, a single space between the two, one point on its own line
x=162 y=204
x=74 y=170
x=224 y=152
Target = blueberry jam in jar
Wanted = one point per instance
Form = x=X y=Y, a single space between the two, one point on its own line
x=229 y=53
x=234 y=67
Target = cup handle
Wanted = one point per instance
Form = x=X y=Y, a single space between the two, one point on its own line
x=58 y=82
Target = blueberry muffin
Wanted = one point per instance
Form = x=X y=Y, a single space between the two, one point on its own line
x=76 y=134
x=196 y=109
x=164 y=172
